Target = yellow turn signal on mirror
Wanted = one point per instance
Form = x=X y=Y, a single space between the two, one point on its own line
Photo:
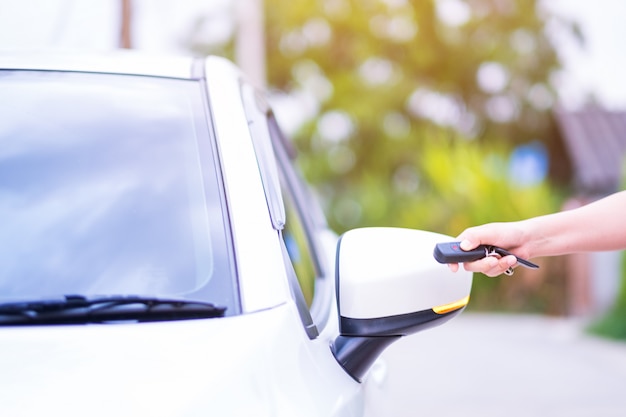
x=446 y=308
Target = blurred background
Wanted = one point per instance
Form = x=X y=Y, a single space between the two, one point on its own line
x=429 y=114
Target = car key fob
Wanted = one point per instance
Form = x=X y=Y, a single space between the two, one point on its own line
x=451 y=252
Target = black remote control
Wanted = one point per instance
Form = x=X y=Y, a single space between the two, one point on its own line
x=451 y=252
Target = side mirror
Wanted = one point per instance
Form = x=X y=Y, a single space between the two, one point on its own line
x=388 y=286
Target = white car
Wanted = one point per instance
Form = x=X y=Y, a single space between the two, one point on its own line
x=161 y=256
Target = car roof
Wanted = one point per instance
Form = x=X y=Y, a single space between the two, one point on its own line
x=113 y=62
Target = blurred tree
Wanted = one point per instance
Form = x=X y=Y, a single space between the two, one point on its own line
x=386 y=74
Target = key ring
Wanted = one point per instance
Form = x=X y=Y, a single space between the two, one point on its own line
x=490 y=251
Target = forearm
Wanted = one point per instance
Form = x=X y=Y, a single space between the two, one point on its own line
x=598 y=226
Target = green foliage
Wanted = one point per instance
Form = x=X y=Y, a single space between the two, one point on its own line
x=443 y=183
x=398 y=57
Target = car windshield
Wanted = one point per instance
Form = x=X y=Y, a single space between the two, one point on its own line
x=109 y=185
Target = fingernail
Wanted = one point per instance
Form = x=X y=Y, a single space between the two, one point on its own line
x=466 y=245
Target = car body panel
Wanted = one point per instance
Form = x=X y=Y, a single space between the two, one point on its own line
x=186 y=368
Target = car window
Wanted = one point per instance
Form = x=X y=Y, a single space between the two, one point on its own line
x=299 y=231
x=109 y=185
x=297 y=243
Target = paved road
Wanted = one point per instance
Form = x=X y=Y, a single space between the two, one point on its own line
x=499 y=365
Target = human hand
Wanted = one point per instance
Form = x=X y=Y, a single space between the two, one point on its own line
x=505 y=235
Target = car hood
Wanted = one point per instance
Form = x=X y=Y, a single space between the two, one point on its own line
x=181 y=368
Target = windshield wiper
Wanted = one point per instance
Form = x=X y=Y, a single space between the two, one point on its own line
x=78 y=309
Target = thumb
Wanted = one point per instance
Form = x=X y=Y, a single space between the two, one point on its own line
x=467 y=244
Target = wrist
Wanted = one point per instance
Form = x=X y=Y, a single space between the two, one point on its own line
x=532 y=238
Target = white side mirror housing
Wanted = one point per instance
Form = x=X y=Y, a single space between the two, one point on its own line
x=389 y=285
